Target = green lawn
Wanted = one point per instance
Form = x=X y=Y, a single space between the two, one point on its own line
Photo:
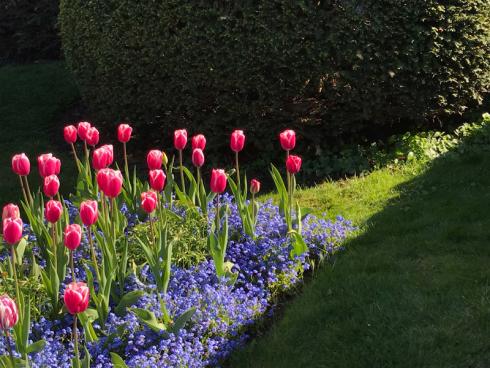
x=33 y=98
x=413 y=288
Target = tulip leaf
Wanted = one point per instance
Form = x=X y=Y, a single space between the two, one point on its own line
x=148 y=318
x=117 y=361
x=181 y=320
x=127 y=300
x=36 y=347
x=298 y=243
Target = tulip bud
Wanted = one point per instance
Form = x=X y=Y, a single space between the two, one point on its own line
x=180 y=139
x=157 y=180
x=237 y=140
x=53 y=210
x=218 y=181
x=51 y=185
x=154 y=159
x=288 y=139
x=102 y=157
x=92 y=136
x=197 y=157
x=10 y=211
x=70 y=134
x=73 y=236
x=76 y=297
x=254 y=186
x=21 y=164
x=110 y=182
x=82 y=129
x=149 y=201
x=124 y=133
x=164 y=159
x=12 y=230
x=293 y=164
x=48 y=165
x=89 y=212
x=199 y=141
x=9 y=314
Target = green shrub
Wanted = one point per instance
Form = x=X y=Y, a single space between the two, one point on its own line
x=29 y=30
x=330 y=69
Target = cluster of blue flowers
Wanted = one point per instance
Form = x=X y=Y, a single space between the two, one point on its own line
x=224 y=312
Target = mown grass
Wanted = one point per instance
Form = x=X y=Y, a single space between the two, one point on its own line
x=33 y=98
x=413 y=287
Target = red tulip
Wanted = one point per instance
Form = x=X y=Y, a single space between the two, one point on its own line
x=180 y=139
x=21 y=164
x=254 y=186
x=48 y=165
x=237 y=140
x=110 y=182
x=288 y=139
x=199 y=141
x=218 y=181
x=51 y=185
x=89 y=212
x=12 y=230
x=293 y=164
x=124 y=133
x=70 y=134
x=9 y=314
x=83 y=127
x=154 y=159
x=10 y=210
x=197 y=157
x=157 y=180
x=53 y=210
x=149 y=201
x=102 y=157
x=76 y=297
x=73 y=236
x=92 y=136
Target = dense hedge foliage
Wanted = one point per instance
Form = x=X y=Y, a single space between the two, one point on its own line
x=327 y=68
x=29 y=30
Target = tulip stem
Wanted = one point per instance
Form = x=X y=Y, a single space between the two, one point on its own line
x=253 y=208
x=92 y=251
x=14 y=271
x=72 y=266
x=153 y=238
x=76 y=157
x=55 y=246
x=28 y=190
x=75 y=342
x=9 y=348
x=23 y=189
x=237 y=171
x=199 y=186
x=218 y=222
x=181 y=171
x=126 y=167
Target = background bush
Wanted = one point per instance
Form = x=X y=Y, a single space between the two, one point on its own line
x=28 y=30
x=333 y=70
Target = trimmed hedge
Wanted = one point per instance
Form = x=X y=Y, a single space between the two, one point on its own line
x=330 y=69
x=29 y=30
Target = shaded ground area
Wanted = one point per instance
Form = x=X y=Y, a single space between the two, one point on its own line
x=32 y=99
x=413 y=288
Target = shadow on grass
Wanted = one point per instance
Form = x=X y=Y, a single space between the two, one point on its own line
x=412 y=290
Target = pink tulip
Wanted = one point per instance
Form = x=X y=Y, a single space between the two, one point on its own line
x=10 y=211
x=180 y=139
x=92 y=136
x=73 y=236
x=70 y=134
x=53 y=210
x=110 y=182
x=124 y=133
x=9 y=314
x=89 y=212
x=154 y=159
x=199 y=141
x=293 y=164
x=197 y=157
x=288 y=139
x=102 y=157
x=237 y=140
x=12 y=230
x=149 y=201
x=48 y=165
x=82 y=130
x=157 y=180
x=254 y=186
x=218 y=181
x=76 y=297
x=51 y=185
x=21 y=164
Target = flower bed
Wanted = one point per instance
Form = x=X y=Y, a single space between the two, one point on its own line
x=146 y=309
